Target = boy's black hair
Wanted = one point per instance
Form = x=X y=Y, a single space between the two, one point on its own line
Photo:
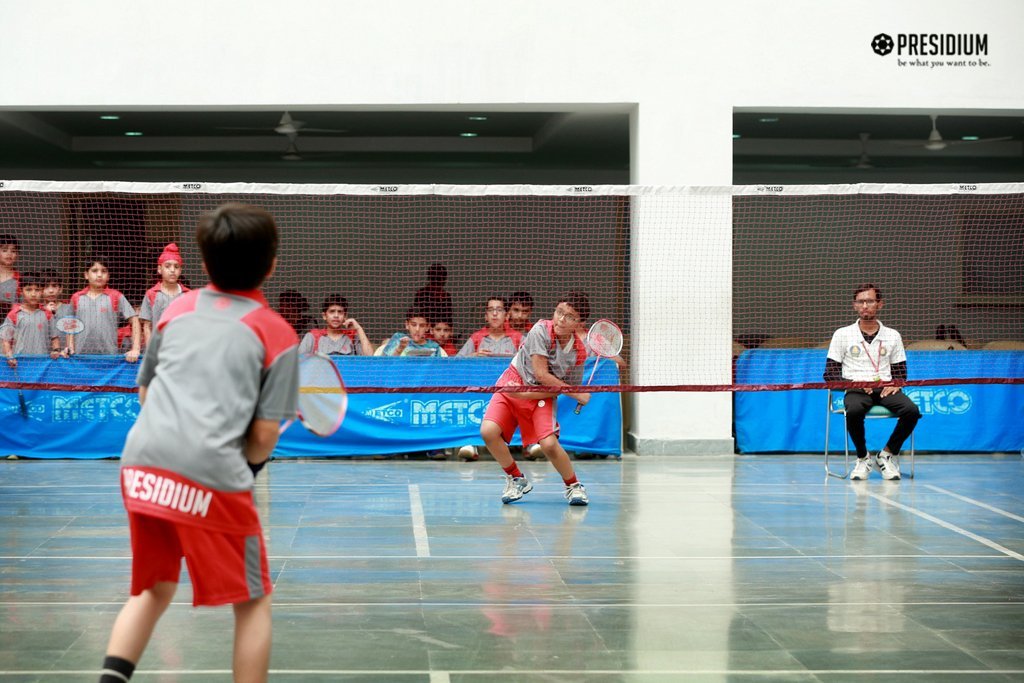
x=866 y=287
x=437 y=274
x=292 y=297
x=238 y=244
x=7 y=238
x=334 y=300
x=580 y=302
x=446 y=320
x=521 y=297
x=417 y=313
x=496 y=297
x=31 y=279
x=48 y=276
x=93 y=260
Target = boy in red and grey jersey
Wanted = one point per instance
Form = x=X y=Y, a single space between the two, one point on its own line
x=98 y=307
x=551 y=354
x=220 y=374
x=343 y=336
x=28 y=327
x=160 y=295
x=10 y=289
x=495 y=338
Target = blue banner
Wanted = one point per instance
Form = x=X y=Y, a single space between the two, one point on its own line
x=956 y=418
x=64 y=424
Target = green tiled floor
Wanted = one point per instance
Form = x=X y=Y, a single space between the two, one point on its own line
x=716 y=569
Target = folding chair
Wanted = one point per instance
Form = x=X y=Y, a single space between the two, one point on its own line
x=875 y=413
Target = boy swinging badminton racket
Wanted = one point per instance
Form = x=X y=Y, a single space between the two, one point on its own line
x=550 y=352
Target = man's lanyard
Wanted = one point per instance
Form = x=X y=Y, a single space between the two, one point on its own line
x=874 y=364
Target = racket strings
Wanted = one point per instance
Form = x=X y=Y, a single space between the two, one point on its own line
x=605 y=339
x=322 y=396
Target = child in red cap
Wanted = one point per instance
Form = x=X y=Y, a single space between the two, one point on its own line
x=160 y=295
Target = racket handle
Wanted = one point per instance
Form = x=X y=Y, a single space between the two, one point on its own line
x=22 y=405
x=579 y=407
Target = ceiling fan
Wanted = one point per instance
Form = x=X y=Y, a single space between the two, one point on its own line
x=936 y=143
x=287 y=126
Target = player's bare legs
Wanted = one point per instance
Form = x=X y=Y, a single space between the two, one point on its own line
x=557 y=456
x=252 y=640
x=491 y=433
x=138 y=617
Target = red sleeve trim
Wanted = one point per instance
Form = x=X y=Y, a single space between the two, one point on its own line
x=185 y=303
x=317 y=336
x=12 y=314
x=276 y=335
x=478 y=337
x=75 y=297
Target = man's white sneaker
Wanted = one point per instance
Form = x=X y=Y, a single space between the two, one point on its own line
x=576 y=494
x=515 y=488
x=887 y=466
x=862 y=470
x=534 y=452
x=469 y=453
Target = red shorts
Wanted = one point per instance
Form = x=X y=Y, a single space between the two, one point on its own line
x=225 y=568
x=534 y=417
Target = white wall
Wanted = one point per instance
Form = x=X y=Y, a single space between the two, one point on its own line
x=685 y=66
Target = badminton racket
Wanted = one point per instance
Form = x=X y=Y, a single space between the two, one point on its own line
x=322 y=396
x=69 y=325
x=605 y=339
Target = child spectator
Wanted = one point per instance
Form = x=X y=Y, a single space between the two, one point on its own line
x=160 y=295
x=98 y=307
x=343 y=336
x=9 y=287
x=413 y=342
x=432 y=299
x=53 y=301
x=550 y=354
x=294 y=308
x=220 y=374
x=28 y=327
x=442 y=331
x=494 y=338
x=520 y=308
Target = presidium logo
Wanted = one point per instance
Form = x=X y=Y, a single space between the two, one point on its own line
x=943 y=50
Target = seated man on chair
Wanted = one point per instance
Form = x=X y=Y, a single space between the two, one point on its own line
x=868 y=351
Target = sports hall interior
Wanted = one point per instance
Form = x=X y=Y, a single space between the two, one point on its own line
x=695 y=560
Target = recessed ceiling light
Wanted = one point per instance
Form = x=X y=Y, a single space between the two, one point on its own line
x=110 y=117
x=970 y=138
x=477 y=118
x=769 y=119
x=468 y=135
x=736 y=136
x=133 y=134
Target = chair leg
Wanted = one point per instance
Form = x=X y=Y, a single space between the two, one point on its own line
x=912 y=454
x=828 y=426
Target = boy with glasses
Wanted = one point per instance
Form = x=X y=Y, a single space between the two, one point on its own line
x=495 y=338
x=868 y=351
x=551 y=353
